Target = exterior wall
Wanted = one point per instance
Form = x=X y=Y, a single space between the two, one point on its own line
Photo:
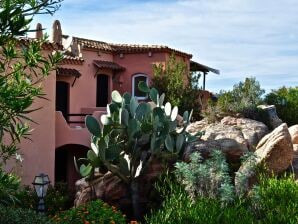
x=39 y=154
x=136 y=63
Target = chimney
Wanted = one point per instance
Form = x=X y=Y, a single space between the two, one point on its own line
x=57 y=32
x=38 y=34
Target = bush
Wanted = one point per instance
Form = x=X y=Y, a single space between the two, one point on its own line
x=181 y=89
x=209 y=178
x=286 y=103
x=276 y=200
x=9 y=185
x=12 y=215
x=179 y=208
x=95 y=212
x=57 y=199
x=243 y=99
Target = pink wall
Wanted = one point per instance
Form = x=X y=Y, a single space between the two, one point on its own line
x=39 y=154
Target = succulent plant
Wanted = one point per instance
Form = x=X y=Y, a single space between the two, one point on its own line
x=131 y=133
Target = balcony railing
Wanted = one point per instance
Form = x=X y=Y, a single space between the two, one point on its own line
x=69 y=119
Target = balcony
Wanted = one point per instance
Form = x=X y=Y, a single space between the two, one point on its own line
x=73 y=130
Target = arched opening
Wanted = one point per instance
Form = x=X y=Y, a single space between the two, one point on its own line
x=64 y=163
x=62 y=97
x=102 y=90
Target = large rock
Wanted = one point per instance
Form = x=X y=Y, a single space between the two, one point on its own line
x=112 y=190
x=295 y=160
x=233 y=136
x=294 y=133
x=275 y=151
x=269 y=116
x=253 y=131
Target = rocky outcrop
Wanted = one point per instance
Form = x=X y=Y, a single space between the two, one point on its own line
x=294 y=133
x=112 y=190
x=274 y=151
x=233 y=136
x=295 y=161
x=269 y=115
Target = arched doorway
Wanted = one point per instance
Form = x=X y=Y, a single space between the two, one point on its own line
x=64 y=163
x=62 y=97
x=102 y=90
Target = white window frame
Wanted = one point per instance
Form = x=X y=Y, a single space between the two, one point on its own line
x=133 y=85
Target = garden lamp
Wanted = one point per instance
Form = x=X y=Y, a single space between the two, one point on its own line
x=41 y=184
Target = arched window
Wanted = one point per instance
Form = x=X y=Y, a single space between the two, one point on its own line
x=135 y=90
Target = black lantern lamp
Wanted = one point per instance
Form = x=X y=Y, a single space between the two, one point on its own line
x=41 y=184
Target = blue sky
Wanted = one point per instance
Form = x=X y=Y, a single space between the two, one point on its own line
x=241 y=38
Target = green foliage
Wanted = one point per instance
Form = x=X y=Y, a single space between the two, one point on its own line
x=132 y=135
x=209 y=178
x=9 y=185
x=95 y=212
x=180 y=88
x=244 y=99
x=276 y=200
x=22 y=68
x=13 y=215
x=286 y=103
x=179 y=208
x=57 y=199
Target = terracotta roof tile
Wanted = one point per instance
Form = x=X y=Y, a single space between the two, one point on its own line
x=126 y=48
x=68 y=72
x=108 y=64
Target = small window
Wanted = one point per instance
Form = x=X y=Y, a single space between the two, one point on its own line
x=135 y=90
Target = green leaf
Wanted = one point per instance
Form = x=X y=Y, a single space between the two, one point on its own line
x=105 y=120
x=174 y=113
x=161 y=99
x=116 y=97
x=179 y=142
x=113 y=152
x=133 y=106
x=124 y=117
x=185 y=116
x=85 y=170
x=143 y=87
x=169 y=142
x=168 y=109
x=154 y=95
x=142 y=110
x=126 y=98
x=93 y=125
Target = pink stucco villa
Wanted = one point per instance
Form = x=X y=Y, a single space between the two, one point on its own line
x=81 y=85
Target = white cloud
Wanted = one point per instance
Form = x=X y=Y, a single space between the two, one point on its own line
x=239 y=37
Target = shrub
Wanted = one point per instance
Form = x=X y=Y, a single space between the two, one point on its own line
x=9 y=185
x=57 y=199
x=286 y=103
x=21 y=216
x=209 y=178
x=178 y=208
x=276 y=200
x=243 y=99
x=95 y=212
x=180 y=88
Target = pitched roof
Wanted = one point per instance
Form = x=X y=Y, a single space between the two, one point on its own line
x=108 y=64
x=126 y=48
x=195 y=66
x=70 y=72
x=69 y=58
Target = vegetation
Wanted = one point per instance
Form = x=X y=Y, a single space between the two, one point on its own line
x=209 y=178
x=22 y=67
x=9 y=185
x=132 y=135
x=272 y=201
x=243 y=99
x=13 y=215
x=286 y=103
x=95 y=212
x=181 y=89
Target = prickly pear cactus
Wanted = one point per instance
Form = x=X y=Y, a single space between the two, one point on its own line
x=131 y=132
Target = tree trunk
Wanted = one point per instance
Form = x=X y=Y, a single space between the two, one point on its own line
x=135 y=198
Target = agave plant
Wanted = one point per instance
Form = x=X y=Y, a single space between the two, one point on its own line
x=131 y=134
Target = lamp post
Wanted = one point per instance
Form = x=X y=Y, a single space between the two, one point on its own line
x=41 y=183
